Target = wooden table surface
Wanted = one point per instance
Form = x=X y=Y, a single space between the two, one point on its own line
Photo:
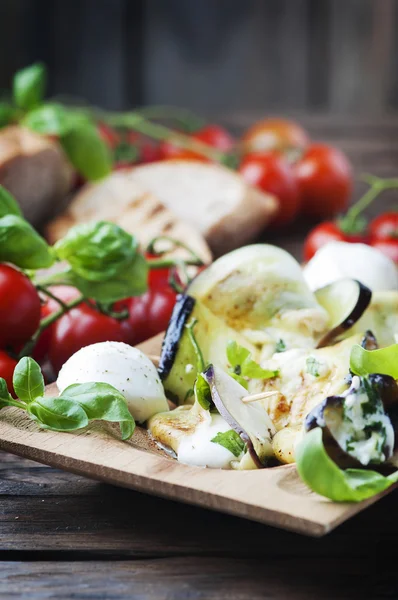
x=63 y=536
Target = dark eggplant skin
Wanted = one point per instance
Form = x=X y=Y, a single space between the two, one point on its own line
x=364 y=298
x=182 y=311
x=226 y=415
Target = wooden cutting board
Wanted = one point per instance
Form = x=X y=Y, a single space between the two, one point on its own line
x=274 y=496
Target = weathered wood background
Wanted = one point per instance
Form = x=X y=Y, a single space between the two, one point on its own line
x=310 y=55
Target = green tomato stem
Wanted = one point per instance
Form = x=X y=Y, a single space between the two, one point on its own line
x=46 y=322
x=44 y=290
x=164 y=263
x=186 y=118
x=156 y=131
x=377 y=185
x=151 y=248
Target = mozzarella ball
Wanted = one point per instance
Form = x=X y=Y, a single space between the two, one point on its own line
x=125 y=368
x=337 y=260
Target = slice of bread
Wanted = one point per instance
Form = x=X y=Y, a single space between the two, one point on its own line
x=124 y=201
x=214 y=200
x=35 y=170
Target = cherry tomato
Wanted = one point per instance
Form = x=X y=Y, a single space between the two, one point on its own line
x=170 y=151
x=158 y=278
x=329 y=231
x=271 y=173
x=274 y=134
x=215 y=136
x=7 y=366
x=148 y=151
x=109 y=135
x=324 y=175
x=212 y=135
x=384 y=226
x=19 y=307
x=388 y=245
x=149 y=314
x=80 y=327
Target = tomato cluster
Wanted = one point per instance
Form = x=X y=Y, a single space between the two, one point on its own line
x=22 y=309
x=382 y=233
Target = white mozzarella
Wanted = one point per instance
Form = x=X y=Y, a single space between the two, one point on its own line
x=198 y=449
x=337 y=260
x=125 y=368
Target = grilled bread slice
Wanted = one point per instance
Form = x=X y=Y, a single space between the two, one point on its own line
x=214 y=200
x=124 y=201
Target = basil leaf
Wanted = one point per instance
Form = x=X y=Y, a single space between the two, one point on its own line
x=87 y=151
x=28 y=380
x=5 y=396
x=253 y=370
x=58 y=414
x=324 y=477
x=29 y=86
x=384 y=361
x=21 y=245
x=131 y=282
x=48 y=119
x=8 y=114
x=280 y=346
x=97 y=251
x=202 y=393
x=242 y=364
x=103 y=402
x=312 y=366
x=231 y=441
x=8 y=204
x=236 y=354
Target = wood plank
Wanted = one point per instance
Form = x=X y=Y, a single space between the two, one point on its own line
x=197 y=578
x=44 y=510
x=274 y=496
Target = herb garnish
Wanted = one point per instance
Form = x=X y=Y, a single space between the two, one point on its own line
x=312 y=366
x=231 y=441
x=242 y=365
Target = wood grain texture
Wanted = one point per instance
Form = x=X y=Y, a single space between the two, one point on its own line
x=275 y=496
x=197 y=578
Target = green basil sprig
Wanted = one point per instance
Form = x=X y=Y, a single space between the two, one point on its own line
x=73 y=409
x=242 y=365
x=29 y=86
x=104 y=262
x=324 y=477
x=97 y=251
x=74 y=127
x=132 y=281
x=384 y=361
x=21 y=245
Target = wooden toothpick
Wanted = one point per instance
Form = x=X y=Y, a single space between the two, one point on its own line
x=261 y=396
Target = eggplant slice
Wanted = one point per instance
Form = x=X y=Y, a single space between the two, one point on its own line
x=181 y=312
x=345 y=301
x=250 y=421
